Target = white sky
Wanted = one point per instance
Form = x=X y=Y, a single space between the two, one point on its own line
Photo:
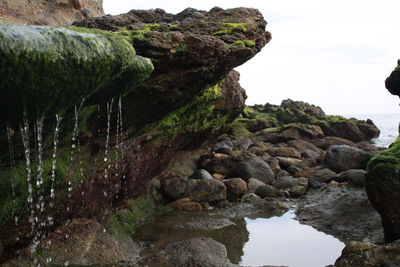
x=335 y=54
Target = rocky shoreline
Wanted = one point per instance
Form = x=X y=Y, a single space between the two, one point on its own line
x=189 y=155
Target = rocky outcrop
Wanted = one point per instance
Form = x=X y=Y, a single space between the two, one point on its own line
x=343 y=158
x=48 y=12
x=383 y=178
x=190 y=96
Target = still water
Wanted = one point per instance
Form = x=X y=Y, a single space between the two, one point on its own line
x=284 y=241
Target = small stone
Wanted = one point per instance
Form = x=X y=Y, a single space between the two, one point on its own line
x=253 y=184
x=236 y=188
x=268 y=191
x=218 y=176
x=201 y=174
x=297 y=191
x=184 y=204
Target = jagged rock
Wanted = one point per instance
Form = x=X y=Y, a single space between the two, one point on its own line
x=383 y=188
x=354 y=177
x=236 y=188
x=184 y=204
x=361 y=254
x=209 y=47
x=253 y=168
x=201 y=174
x=268 y=191
x=343 y=158
x=44 y=12
x=197 y=190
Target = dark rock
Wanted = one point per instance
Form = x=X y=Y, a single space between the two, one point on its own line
x=284 y=182
x=268 y=191
x=342 y=158
x=251 y=198
x=197 y=190
x=367 y=146
x=328 y=141
x=243 y=143
x=392 y=83
x=287 y=162
x=253 y=168
x=354 y=177
x=201 y=174
x=314 y=184
x=383 y=188
x=324 y=175
x=222 y=165
x=307 y=149
x=274 y=164
x=236 y=188
x=360 y=254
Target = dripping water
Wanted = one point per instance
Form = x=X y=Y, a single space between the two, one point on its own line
x=12 y=164
x=75 y=143
x=53 y=165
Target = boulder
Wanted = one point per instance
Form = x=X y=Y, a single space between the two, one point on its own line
x=200 y=251
x=392 y=83
x=268 y=191
x=343 y=158
x=253 y=184
x=307 y=149
x=253 y=168
x=360 y=254
x=201 y=174
x=324 y=175
x=287 y=162
x=184 y=204
x=197 y=190
x=354 y=177
x=382 y=183
x=328 y=141
x=235 y=188
x=297 y=191
x=283 y=152
x=285 y=182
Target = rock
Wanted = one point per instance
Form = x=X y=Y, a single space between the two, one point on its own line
x=287 y=162
x=222 y=165
x=324 y=175
x=314 y=184
x=268 y=191
x=184 y=204
x=341 y=211
x=302 y=131
x=55 y=13
x=243 y=143
x=328 y=141
x=297 y=191
x=185 y=162
x=274 y=164
x=63 y=83
x=343 y=158
x=354 y=177
x=360 y=254
x=253 y=168
x=283 y=152
x=284 y=182
x=200 y=251
x=253 y=184
x=218 y=176
x=392 y=83
x=382 y=183
x=236 y=188
x=302 y=181
x=367 y=146
x=201 y=174
x=197 y=190
x=307 y=149
x=251 y=198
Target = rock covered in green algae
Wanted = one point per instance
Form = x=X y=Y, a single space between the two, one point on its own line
x=49 y=69
x=392 y=82
x=383 y=188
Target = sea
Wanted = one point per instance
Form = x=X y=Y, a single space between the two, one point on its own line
x=388 y=124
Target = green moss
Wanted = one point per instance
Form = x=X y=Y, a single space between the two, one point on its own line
x=227 y=28
x=384 y=168
x=245 y=43
x=48 y=69
x=196 y=116
x=238 y=128
x=124 y=222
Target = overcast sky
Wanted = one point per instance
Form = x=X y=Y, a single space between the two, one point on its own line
x=335 y=54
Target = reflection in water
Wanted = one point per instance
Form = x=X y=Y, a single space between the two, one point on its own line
x=284 y=241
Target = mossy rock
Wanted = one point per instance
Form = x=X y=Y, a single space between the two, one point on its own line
x=383 y=188
x=48 y=70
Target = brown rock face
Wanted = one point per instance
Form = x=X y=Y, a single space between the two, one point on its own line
x=48 y=12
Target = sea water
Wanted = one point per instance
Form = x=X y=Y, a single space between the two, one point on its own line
x=388 y=124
